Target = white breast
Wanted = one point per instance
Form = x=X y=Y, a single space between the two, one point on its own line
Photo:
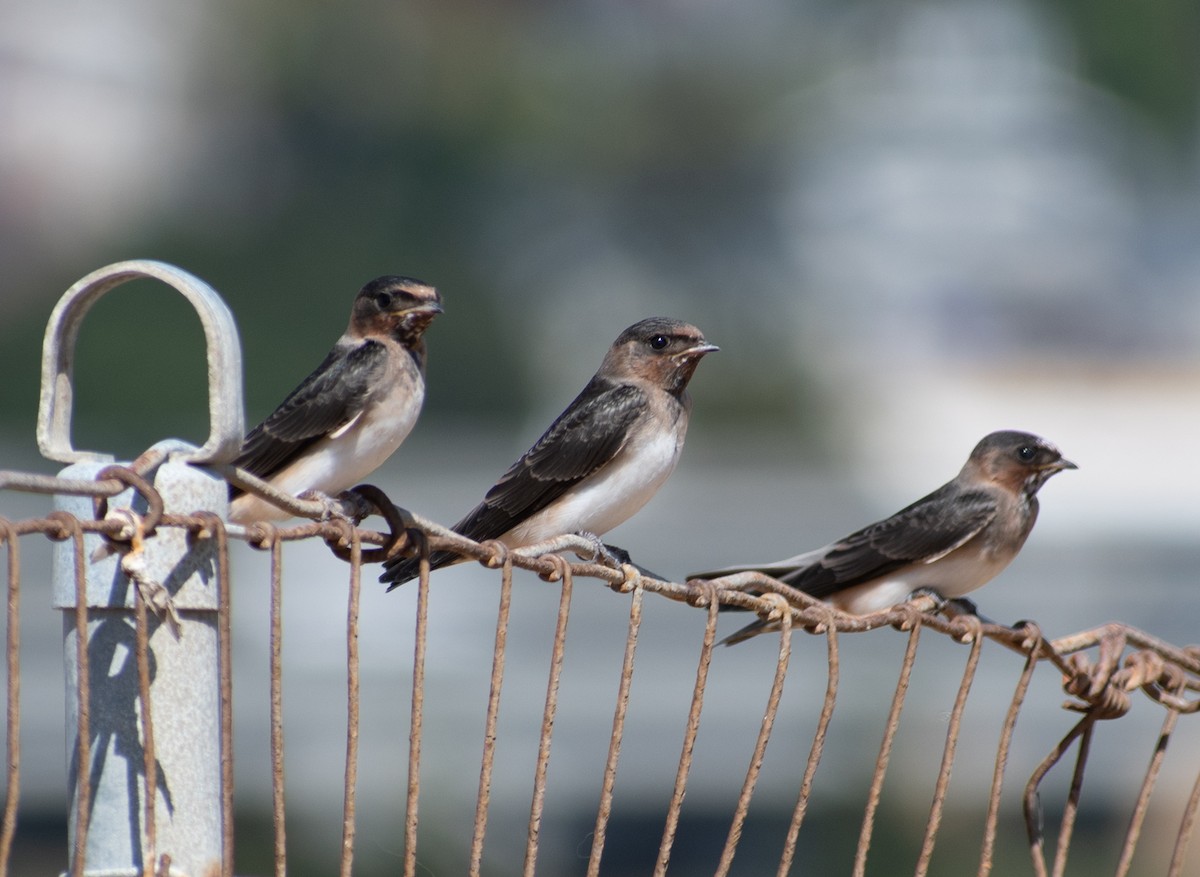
x=955 y=575
x=610 y=496
x=342 y=460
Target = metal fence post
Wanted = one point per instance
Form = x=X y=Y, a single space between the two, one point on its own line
x=180 y=747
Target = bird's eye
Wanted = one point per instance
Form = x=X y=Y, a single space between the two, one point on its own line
x=383 y=300
x=1026 y=453
x=658 y=342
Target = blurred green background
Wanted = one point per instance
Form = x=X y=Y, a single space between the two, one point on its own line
x=542 y=164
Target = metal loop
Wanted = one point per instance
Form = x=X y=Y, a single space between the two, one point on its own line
x=701 y=593
x=633 y=579
x=559 y=569
x=67 y=524
x=966 y=628
x=227 y=424
x=154 y=500
x=262 y=535
x=496 y=553
x=339 y=536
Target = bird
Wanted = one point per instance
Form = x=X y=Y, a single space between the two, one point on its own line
x=353 y=411
x=946 y=544
x=602 y=459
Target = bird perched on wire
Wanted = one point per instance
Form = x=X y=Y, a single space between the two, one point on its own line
x=947 y=544
x=354 y=410
x=603 y=458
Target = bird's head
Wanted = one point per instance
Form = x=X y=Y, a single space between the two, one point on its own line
x=1020 y=461
x=398 y=306
x=662 y=351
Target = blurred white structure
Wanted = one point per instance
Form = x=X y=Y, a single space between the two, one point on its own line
x=974 y=231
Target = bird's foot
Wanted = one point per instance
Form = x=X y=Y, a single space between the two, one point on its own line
x=606 y=555
x=333 y=508
x=616 y=557
x=939 y=602
x=951 y=607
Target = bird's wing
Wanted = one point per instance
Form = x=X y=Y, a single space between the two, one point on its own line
x=587 y=435
x=328 y=400
x=924 y=532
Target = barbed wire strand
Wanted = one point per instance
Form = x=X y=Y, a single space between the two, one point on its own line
x=709 y=592
x=417 y=714
x=952 y=734
x=8 y=832
x=618 y=732
x=565 y=575
x=149 y=757
x=493 y=712
x=814 y=754
x=885 y=748
x=352 y=701
x=764 y=733
x=992 y=820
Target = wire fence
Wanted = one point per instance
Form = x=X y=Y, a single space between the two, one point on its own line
x=1101 y=670
x=142 y=574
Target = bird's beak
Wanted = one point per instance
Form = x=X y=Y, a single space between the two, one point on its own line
x=431 y=307
x=698 y=350
x=1060 y=465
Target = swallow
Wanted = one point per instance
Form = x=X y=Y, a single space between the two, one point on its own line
x=602 y=459
x=354 y=410
x=947 y=544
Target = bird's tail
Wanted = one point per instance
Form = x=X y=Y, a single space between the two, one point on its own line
x=399 y=570
x=749 y=632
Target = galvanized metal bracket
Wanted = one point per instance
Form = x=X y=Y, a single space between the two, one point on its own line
x=226 y=418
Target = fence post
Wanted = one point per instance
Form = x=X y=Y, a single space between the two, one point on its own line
x=180 y=747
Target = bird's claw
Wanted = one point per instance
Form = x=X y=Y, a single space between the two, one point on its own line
x=606 y=555
x=939 y=602
x=332 y=508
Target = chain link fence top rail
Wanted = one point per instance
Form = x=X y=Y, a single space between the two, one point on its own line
x=164 y=614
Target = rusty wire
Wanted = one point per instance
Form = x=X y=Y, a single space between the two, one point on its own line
x=269 y=540
x=952 y=733
x=814 y=753
x=885 y=749
x=352 y=701
x=83 y=749
x=562 y=573
x=1186 y=824
x=493 y=712
x=710 y=600
x=149 y=761
x=1143 y=799
x=1126 y=660
x=215 y=529
x=618 y=733
x=417 y=712
x=13 y=712
x=987 y=848
x=764 y=734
